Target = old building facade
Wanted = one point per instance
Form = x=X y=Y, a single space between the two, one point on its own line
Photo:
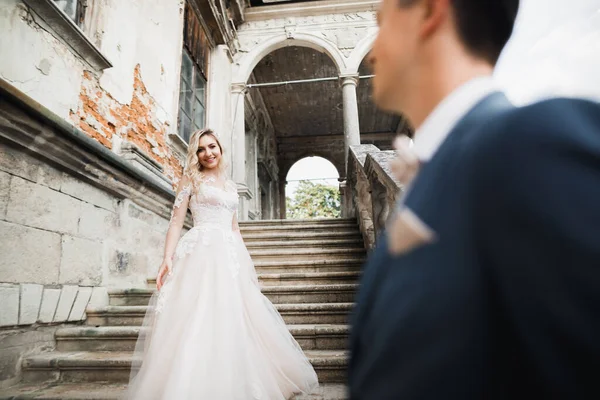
x=98 y=99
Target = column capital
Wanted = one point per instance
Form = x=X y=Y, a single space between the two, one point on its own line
x=239 y=87
x=349 y=79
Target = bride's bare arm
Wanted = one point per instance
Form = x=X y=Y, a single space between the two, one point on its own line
x=178 y=215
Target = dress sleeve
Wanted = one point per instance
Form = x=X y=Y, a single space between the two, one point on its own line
x=230 y=186
x=181 y=203
x=235 y=227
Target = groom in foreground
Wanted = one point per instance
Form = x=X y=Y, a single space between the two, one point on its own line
x=487 y=282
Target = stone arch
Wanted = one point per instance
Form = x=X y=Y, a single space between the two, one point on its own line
x=285 y=170
x=251 y=59
x=360 y=52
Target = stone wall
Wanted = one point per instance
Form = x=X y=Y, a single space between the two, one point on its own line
x=19 y=342
x=133 y=101
x=75 y=220
x=59 y=230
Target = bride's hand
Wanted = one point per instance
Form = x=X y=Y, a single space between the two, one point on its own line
x=163 y=272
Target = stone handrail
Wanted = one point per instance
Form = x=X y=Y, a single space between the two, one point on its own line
x=371 y=189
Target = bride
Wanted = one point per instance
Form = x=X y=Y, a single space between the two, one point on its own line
x=210 y=333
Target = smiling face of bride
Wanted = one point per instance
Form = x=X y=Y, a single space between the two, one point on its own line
x=209 y=152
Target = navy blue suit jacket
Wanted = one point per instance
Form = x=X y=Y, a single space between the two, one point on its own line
x=505 y=303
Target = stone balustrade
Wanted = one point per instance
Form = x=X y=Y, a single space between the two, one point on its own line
x=370 y=190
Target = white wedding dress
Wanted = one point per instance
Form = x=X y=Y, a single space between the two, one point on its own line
x=210 y=333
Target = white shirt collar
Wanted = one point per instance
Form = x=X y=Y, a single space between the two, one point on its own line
x=447 y=113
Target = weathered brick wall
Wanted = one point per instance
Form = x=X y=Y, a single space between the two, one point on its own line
x=108 y=121
x=134 y=101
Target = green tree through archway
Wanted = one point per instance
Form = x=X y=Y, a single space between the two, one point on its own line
x=314 y=200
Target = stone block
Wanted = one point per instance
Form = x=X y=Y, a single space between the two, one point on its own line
x=96 y=222
x=88 y=193
x=161 y=224
x=16 y=343
x=81 y=302
x=81 y=262
x=4 y=192
x=17 y=163
x=65 y=304
x=126 y=267
x=50 y=177
x=9 y=364
x=143 y=237
x=28 y=254
x=9 y=305
x=99 y=297
x=123 y=262
x=49 y=303
x=31 y=299
x=136 y=212
x=41 y=207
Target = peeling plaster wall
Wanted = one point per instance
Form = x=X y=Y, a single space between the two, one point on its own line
x=135 y=100
x=36 y=62
x=147 y=33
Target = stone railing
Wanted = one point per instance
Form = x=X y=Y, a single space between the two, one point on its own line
x=371 y=189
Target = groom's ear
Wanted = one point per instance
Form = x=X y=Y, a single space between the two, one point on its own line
x=407 y=232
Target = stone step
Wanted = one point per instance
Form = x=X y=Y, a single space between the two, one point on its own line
x=309 y=221
x=301 y=313
x=298 y=224
x=303 y=254
x=312 y=244
x=276 y=294
x=304 y=228
x=123 y=338
x=337 y=293
x=353 y=263
x=309 y=278
x=299 y=278
x=117 y=391
x=324 y=234
x=114 y=367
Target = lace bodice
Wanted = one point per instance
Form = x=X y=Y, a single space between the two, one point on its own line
x=212 y=202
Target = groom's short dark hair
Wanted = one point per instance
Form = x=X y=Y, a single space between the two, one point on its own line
x=484 y=26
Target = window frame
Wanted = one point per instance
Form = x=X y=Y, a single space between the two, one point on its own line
x=80 y=8
x=196 y=74
x=70 y=33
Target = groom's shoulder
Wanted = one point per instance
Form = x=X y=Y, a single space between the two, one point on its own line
x=538 y=126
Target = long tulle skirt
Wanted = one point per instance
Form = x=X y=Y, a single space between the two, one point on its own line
x=211 y=334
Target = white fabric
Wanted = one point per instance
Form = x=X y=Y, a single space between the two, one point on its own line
x=210 y=333
x=444 y=117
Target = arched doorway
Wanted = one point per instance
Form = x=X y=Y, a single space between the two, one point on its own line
x=377 y=127
x=286 y=122
x=312 y=189
x=297 y=98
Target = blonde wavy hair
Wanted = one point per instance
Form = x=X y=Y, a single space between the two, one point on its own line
x=193 y=168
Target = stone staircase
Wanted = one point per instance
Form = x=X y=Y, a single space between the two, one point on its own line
x=308 y=269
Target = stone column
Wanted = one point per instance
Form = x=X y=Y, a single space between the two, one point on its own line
x=351 y=124
x=282 y=210
x=251 y=172
x=347 y=201
x=238 y=141
x=238 y=151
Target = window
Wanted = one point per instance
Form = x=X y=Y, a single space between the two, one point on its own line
x=191 y=98
x=194 y=64
x=66 y=19
x=75 y=9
